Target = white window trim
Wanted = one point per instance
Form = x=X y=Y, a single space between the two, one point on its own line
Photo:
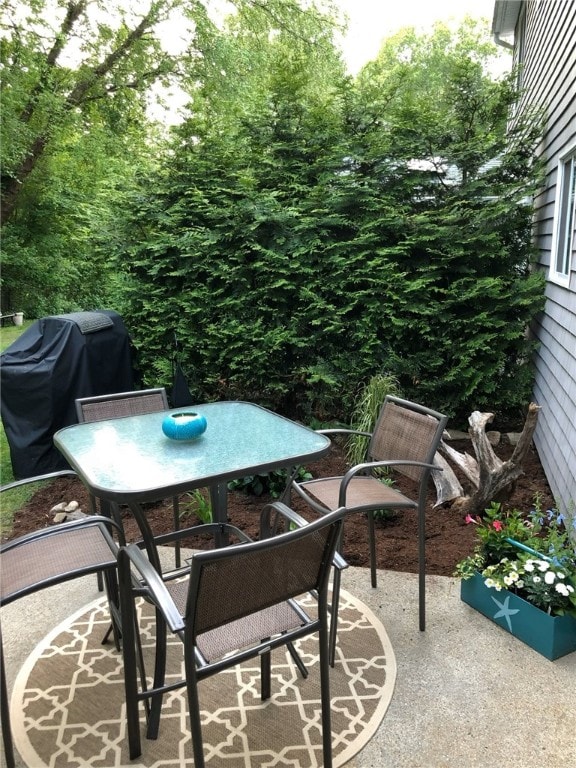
x=554 y=275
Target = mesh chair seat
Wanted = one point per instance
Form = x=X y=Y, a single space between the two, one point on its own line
x=363 y=492
x=244 y=633
x=48 y=557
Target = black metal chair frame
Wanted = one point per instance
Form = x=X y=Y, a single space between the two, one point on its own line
x=213 y=599
x=415 y=463
x=73 y=561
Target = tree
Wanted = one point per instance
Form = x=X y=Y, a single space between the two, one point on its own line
x=306 y=232
x=232 y=238
x=459 y=189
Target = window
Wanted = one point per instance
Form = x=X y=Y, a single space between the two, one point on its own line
x=563 y=241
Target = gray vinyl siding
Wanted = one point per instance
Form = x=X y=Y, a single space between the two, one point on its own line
x=549 y=79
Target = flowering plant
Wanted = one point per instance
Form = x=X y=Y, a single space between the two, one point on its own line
x=531 y=555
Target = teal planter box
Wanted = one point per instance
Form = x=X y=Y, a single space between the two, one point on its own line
x=552 y=636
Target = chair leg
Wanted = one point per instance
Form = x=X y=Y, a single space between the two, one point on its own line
x=194 y=710
x=159 y=677
x=265 y=675
x=5 y=713
x=422 y=568
x=325 y=702
x=129 y=656
x=94 y=511
x=372 y=545
x=110 y=580
x=334 y=616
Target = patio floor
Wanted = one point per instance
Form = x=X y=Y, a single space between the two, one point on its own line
x=467 y=693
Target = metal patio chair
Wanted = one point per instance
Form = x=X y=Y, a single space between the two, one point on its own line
x=405 y=438
x=117 y=405
x=51 y=556
x=237 y=603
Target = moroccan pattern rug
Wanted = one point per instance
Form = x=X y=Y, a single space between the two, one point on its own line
x=67 y=703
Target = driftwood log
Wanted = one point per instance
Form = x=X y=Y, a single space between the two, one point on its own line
x=490 y=478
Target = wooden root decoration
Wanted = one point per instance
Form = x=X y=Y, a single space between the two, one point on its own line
x=492 y=479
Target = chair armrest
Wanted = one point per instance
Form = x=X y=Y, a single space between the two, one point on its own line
x=343 y=431
x=280 y=510
x=38 y=478
x=131 y=559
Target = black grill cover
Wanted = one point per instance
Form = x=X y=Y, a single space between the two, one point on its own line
x=55 y=361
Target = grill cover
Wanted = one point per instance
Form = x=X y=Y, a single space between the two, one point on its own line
x=55 y=361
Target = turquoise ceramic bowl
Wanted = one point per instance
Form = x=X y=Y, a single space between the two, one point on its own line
x=186 y=425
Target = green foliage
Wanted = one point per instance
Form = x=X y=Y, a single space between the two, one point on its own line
x=197 y=504
x=273 y=483
x=365 y=413
x=300 y=232
x=528 y=553
x=312 y=232
x=15 y=499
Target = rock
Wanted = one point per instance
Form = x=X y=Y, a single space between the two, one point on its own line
x=67 y=511
x=76 y=514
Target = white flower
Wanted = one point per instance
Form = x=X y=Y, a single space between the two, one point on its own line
x=490 y=583
x=536 y=579
x=563 y=589
x=520 y=583
x=550 y=577
x=529 y=565
x=561 y=575
x=543 y=565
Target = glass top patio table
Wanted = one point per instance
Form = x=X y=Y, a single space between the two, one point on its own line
x=129 y=460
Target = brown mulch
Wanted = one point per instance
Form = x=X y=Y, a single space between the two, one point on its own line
x=449 y=538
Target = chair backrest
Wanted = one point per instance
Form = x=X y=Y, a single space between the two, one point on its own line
x=119 y=404
x=231 y=583
x=406 y=431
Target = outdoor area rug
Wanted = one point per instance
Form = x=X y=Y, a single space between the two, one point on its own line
x=67 y=703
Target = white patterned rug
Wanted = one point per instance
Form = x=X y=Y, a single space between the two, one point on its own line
x=67 y=704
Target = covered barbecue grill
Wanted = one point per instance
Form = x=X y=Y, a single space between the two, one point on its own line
x=55 y=361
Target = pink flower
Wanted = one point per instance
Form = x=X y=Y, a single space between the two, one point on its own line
x=497 y=525
x=469 y=519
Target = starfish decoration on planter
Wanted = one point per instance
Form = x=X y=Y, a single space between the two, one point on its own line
x=505 y=612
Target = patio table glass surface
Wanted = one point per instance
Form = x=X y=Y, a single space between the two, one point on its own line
x=131 y=458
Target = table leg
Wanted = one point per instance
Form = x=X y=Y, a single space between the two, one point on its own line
x=147 y=535
x=219 y=503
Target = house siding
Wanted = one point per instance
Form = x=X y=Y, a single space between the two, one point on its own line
x=549 y=80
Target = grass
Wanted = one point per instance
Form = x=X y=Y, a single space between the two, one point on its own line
x=10 y=501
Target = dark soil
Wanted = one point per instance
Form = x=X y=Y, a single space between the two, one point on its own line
x=448 y=537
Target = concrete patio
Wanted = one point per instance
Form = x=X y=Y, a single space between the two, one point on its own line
x=467 y=695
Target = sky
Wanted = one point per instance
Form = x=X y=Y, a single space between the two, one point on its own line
x=370 y=21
